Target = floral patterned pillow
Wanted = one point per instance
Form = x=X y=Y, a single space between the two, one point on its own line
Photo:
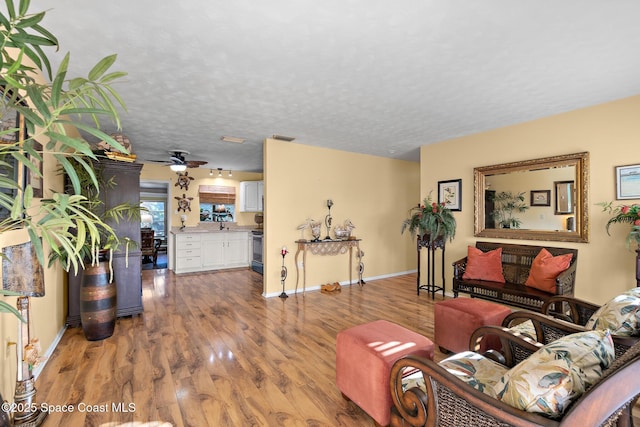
x=557 y=374
x=621 y=315
x=526 y=329
x=476 y=370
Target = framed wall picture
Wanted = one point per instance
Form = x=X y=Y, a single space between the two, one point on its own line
x=540 y=197
x=450 y=193
x=628 y=182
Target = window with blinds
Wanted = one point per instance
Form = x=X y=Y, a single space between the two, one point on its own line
x=217 y=194
x=217 y=203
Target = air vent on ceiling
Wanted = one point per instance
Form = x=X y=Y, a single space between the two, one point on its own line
x=232 y=139
x=284 y=138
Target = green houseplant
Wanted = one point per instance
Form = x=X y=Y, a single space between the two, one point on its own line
x=627 y=214
x=62 y=221
x=432 y=219
x=507 y=205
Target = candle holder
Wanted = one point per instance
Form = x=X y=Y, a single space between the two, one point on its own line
x=360 y=254
x=183 y=218
x=283 y=272
x=327 y=219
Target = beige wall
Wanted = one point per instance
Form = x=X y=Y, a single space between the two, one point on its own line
x=609 y=132
x=373 y=192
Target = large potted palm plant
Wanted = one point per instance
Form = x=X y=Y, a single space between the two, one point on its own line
x=59 y=222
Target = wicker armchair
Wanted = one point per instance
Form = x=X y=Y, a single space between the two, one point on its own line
x=571 y=309
x=448 y=401
x=563 y=316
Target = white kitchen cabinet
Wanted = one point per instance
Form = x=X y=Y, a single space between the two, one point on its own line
x=251 y=196
x=236 y=254
x=188 y=252
x=203 y=251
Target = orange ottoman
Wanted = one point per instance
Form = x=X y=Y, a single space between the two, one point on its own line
x=364 y=356
x=456 y=319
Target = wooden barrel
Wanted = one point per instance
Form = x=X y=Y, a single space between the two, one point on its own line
x=98 y=302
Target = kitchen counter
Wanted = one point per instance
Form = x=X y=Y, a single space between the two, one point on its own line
x=205 y=248
x=213 y=228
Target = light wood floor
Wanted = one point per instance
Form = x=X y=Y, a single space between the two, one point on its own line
x=209 y=350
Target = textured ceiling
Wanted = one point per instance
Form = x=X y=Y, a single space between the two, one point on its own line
x=374 y=77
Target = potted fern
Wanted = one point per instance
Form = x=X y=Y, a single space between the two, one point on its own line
x=431 y=221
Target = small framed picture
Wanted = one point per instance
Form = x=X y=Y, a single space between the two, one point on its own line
x=540 y=197
x=450 y=193
x=628 y=182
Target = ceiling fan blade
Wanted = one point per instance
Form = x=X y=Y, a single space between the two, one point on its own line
x=195 y=163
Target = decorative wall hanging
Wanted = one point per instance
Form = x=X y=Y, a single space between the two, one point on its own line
x=184 y=203
x=628 y=182
x=184 y=180
x=540 y=198
x=450 y=193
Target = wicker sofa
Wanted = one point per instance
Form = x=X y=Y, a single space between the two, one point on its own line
x=516 y=264
x=449 y=401
x=555 y=322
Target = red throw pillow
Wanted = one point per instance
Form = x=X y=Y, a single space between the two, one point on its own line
x=545 y=269
x=484 y=265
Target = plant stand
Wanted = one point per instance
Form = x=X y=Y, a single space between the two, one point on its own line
x=430 y=286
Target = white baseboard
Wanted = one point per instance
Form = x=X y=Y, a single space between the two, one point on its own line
x=344 y=283
x=49 y=352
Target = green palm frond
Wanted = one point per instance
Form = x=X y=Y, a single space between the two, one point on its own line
x=65 y=223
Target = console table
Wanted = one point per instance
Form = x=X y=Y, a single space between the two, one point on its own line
x=430 y=286
x=324 y=247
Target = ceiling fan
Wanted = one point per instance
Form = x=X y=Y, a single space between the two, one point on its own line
x=177 y=161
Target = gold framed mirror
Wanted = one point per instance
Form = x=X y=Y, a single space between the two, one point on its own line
x=502 y=193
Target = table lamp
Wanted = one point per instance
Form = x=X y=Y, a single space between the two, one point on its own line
x=23 y=274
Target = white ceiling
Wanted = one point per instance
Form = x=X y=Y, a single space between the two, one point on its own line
x=368 y=76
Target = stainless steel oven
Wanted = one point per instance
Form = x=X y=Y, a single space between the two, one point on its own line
x=256 y=259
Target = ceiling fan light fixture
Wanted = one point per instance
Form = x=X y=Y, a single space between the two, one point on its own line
x=232 y=139
x=178 y=168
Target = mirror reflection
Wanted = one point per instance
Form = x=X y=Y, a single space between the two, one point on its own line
x=540 y=199
x=564 y=197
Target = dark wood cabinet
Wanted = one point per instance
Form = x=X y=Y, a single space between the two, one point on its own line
x=126 y=267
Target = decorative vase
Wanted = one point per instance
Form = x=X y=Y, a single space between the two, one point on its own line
x=98 y=302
